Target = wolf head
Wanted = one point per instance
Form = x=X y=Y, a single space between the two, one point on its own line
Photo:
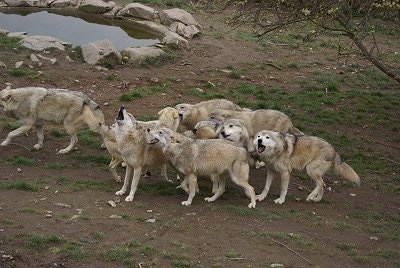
x=184 y=110
x=160 y=137
x=6 y=102
x=124 y=118
x=270 y=143
x=220 y=114
x=233 y=130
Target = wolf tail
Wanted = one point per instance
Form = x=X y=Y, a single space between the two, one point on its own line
x=345 y=171
x=295 y=131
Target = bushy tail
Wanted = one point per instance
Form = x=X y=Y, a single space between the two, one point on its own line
x=295 y=131
x=345 y=171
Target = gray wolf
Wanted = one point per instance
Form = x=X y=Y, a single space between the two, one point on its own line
x=168 y=117
x=204 y=129
x=190 y=114
x=135 y=151
x=204 y=158
x=33 y=106
x=284 y=152
x=258 y=120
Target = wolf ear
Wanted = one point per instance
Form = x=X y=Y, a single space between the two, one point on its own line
x=7 y=98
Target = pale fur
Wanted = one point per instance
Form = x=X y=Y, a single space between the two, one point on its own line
x=190 y=114
x=195 y=158
x=135 y=151
x=284 y=152
x=33 y=106
x=168 y=117
x=258 y=120
x=204 y=129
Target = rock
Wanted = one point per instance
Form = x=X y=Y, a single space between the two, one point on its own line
x=189 y=31
x=18 y=64
x=62 y=205
x=168 y=16
x=112 y=203
x=151 y=220
x=17 y=34
x=138 y=54
x=34 y=58
x=277 y=265
x=95 y=6
x=68 y=58
x=60 y=3
x=172 y=38
x=4 y=31
x=41 y=42
x=21 y=3
x=49 y=216
x=139 y=11
x=101 y=52
x=115 y=217
x=2 y=65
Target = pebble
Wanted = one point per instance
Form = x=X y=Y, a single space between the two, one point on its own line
x=115 y=217
x=49 y=216
x=149 y=211
x=112 y=203
x=18 y=64
x=374 y=238
x=62 y=205
x=151 y=220
x=19 y=169
x=47 y=187
x=277 y=265
x=352 y=194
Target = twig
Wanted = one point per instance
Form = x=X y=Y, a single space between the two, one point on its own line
x=384 y=144
x=390 y=160
x=302 y=186
x=274 y=65
x=235 y=259
x=21 y=146
x=298 y=254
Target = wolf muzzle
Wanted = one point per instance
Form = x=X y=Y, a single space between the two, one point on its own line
x=120 y=113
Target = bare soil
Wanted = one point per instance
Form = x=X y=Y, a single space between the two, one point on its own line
x=220 y=234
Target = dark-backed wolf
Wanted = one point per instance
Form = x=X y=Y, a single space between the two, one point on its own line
x=33 y=106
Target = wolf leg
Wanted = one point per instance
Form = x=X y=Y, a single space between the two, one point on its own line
x=17 y=132
x=137 y=170
x=220 y=189
x=40 y=135
x=128 y=175
x=270 y=178
x=315 y=171
x=192 y=181
x=285 y=177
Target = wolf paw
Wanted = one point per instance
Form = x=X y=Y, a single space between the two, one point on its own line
x=63 y=151
x=279 y=201
x=209 y=199
x=260 y=197
x=252 y=205
x=37 y=146
x=314 y=198
x=129 y=198
x=186 y=203
x=120 y=192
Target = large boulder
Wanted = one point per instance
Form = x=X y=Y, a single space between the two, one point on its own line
x=41 y=42
x=101 y=52
x=95 y=6
x=138 y=54
x=138 y=11
x=168 y=16
x=25 y=3
x=60 y=3
x=187 y=31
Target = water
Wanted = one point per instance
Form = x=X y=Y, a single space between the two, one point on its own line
x=75 y=27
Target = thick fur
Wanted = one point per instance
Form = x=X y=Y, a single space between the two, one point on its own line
x=204 y=158
x=33 y=106
x=204 y=129
x=168 y=117
x=284 y=152
x=135 y=151
x=190 y=114
x=258 y=120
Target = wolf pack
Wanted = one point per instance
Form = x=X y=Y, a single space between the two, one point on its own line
x=213 y=139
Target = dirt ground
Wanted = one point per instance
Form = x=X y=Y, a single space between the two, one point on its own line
x=344 y=230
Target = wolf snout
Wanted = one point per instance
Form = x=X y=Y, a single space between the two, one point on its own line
x=120 y=113
x=259 y=141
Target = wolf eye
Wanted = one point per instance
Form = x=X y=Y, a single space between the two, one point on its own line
x=267 y=137
x=230 y=125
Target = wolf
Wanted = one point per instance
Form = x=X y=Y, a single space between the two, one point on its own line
x=135 y=151
x=284 y=152
x=168 y=117
x=33 y=106
x=204 y=158
x=204 y=129
x=190 y=114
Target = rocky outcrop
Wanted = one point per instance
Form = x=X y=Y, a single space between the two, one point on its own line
x=40 y=42
x=138 y=11
x=95 y=6
x=101 y=52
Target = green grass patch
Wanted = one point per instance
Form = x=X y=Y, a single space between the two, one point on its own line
x=10 y=43
x=96 y=159
x=21 y=161
x=207 y=94
x=177 y=260
x=18 y=185
x=10 y=124
x=134 y=94
x=75 y=251
x=23 y=72
x=77 y=54
x=83 y=185
x=89 y=138
x=58 y=132
x=168 y=57
x=117 y=254
x=162 y=188
x=56 y=165
x=39 y=241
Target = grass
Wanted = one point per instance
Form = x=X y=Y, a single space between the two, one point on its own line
x=10 y=43
x=167 y=57
x=18 y=185
x=86 y=184
x=23 y=72
x=89 y=138
x=9 y=123
x=118 y=255
x=96 y=159
x=177 y=260
x=21 y=161
x=75 y=252
x=38 y=241
x=140 y=92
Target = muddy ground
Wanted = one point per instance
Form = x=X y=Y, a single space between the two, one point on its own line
x=351 y=227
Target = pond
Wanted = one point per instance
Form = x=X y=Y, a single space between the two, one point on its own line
x=75 y=27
